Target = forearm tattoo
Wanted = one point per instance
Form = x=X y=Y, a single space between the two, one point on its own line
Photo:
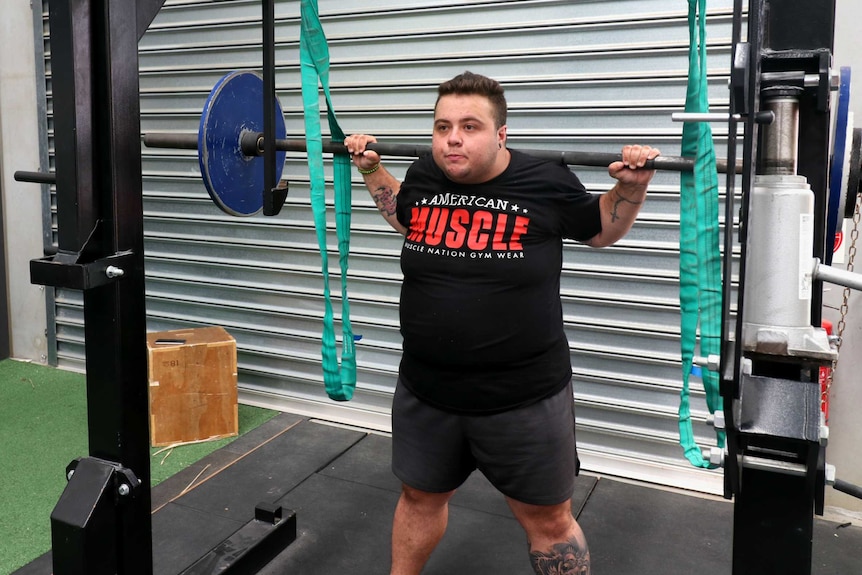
x=569 y=558
x=622 y=200
x=384 y=198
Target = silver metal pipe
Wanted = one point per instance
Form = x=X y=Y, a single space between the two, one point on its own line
x=783 y=467
x=838 y=277
x=703 y=117
x=781 y=138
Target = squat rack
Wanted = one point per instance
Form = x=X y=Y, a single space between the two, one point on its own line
x=102 y=522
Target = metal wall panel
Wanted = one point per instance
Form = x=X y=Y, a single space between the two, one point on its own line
x=580 y=75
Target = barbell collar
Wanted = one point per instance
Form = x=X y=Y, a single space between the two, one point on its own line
x=252 y=144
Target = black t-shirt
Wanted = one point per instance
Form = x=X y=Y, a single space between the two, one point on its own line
x=481 y=315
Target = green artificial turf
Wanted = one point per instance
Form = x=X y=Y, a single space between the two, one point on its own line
x=43 y=427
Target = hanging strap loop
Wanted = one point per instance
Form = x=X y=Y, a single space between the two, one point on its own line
x=700 y=261
x=314 y=62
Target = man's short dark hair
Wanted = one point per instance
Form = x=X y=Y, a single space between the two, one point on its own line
x=468 y=84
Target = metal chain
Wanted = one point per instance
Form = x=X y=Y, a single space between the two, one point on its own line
x=839 y=332
x=851 y=257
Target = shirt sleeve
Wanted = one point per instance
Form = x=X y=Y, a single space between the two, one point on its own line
x=414 y=172
x=580 y=216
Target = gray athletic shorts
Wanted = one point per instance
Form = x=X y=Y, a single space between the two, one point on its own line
x=528 y=454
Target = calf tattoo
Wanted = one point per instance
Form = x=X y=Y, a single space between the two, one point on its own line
x=384 y=198
x=568 y=558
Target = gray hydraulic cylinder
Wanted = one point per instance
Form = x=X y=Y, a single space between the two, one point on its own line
x=780 y=270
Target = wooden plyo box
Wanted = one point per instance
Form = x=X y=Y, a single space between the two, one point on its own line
x=192 y=377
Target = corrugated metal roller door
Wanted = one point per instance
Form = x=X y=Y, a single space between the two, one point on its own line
x=579 y=75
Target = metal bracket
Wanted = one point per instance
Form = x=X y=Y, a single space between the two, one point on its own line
x=774 y=407
x=86 y=518
x=739 y=75
x=252 y=546
x=65 y=270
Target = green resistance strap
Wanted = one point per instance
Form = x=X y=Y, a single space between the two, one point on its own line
x=314 y=64
x=700 y=260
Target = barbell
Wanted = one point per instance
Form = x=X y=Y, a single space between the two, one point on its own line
x=230 y=145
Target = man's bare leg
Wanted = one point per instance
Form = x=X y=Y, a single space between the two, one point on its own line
x=557 y=543
x=419 y=523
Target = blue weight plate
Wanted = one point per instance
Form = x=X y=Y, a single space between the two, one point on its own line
x=234 y=107
x=836 y=170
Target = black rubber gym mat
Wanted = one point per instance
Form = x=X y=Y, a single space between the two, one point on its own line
x=339 y=483
x=369 y=462
x=345 y=527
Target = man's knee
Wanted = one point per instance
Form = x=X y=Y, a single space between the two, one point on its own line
x=545 y=522
x=554 y=527
x=419 y=498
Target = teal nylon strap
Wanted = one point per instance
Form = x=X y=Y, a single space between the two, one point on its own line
x=314 y=62
x=700 y=260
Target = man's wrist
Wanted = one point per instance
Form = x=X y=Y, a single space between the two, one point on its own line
x=370 y=170
x=634 y=193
